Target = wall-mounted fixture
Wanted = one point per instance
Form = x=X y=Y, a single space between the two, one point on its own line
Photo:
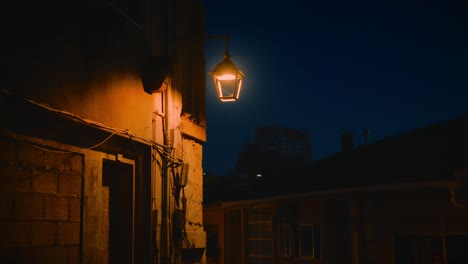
x=155 y=73
x=227 y=78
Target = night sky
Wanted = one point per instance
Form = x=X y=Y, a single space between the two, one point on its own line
x=390 y=66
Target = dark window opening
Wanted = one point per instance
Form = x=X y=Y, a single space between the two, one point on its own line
x=119 y=178
x=300 y=240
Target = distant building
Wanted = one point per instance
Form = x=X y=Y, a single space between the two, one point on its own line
x=282 y=144
x=274 y=153
x=400 y=200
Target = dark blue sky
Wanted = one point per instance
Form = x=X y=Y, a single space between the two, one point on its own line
x=324 y=66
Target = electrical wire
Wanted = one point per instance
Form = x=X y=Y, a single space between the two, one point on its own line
x=43 y=148
x=162 y=149
x=122 y=13
x=40 y=173
x=63 y=151
x=165 y=152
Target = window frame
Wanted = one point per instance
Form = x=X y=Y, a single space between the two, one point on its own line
x=291 y=245
x=285 y=240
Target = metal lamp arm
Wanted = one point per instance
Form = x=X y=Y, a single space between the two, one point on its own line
x=226 y=41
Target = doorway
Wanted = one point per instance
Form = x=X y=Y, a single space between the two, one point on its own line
x=118 y=177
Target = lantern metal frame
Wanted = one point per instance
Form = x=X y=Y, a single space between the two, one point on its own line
x=227 y=78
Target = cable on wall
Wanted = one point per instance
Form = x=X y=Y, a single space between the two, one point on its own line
x=168 y=162
x=162 y=149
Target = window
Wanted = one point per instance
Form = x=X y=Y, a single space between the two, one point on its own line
x=285 y=240
x=259 y=235
x=300 y=240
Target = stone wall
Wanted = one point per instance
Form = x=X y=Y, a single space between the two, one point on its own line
x=194 y=194
x=40 y=203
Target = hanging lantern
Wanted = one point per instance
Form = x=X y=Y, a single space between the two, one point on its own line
x=227 y=78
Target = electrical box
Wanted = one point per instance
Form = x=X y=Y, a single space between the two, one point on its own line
x=179 y=219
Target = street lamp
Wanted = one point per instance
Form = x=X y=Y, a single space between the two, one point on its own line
x=227 y=78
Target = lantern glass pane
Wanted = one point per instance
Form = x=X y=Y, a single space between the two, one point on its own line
x=239 y=86
x=227 y=81
x=226 y=88
x=226 y=77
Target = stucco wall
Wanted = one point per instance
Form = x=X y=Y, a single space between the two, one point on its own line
x=194 y=192
x=105 y=89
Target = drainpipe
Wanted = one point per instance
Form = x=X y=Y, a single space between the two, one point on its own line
x=165 y=214
x=167 y=7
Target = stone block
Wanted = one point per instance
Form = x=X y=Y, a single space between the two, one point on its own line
x=8 y=154
x=73 y=255
x=77 y=164
x=59 y=162
x=14 y=233
x=29 y=206
x=7 y=182
x=55 y=208
x=197 y=238
x=31 y=156
x=74 y=209
x=70 y=185
x=63 y=165
x=44 y=182
x=49 y=255
x=43 y=233
x=6 y=205
x=24 y=184
x=68 y=233
x=14 y=178
x=68 y=163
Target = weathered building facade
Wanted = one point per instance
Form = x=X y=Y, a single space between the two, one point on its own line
x=400 y=200
x=262 y=165
x=409 y=223
x=102 y=124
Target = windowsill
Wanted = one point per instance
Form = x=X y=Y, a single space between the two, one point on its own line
x=190 y=129
x=301 y=258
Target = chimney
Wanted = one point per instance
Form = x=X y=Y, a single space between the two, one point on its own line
x=367 y=136
x=347 y=141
